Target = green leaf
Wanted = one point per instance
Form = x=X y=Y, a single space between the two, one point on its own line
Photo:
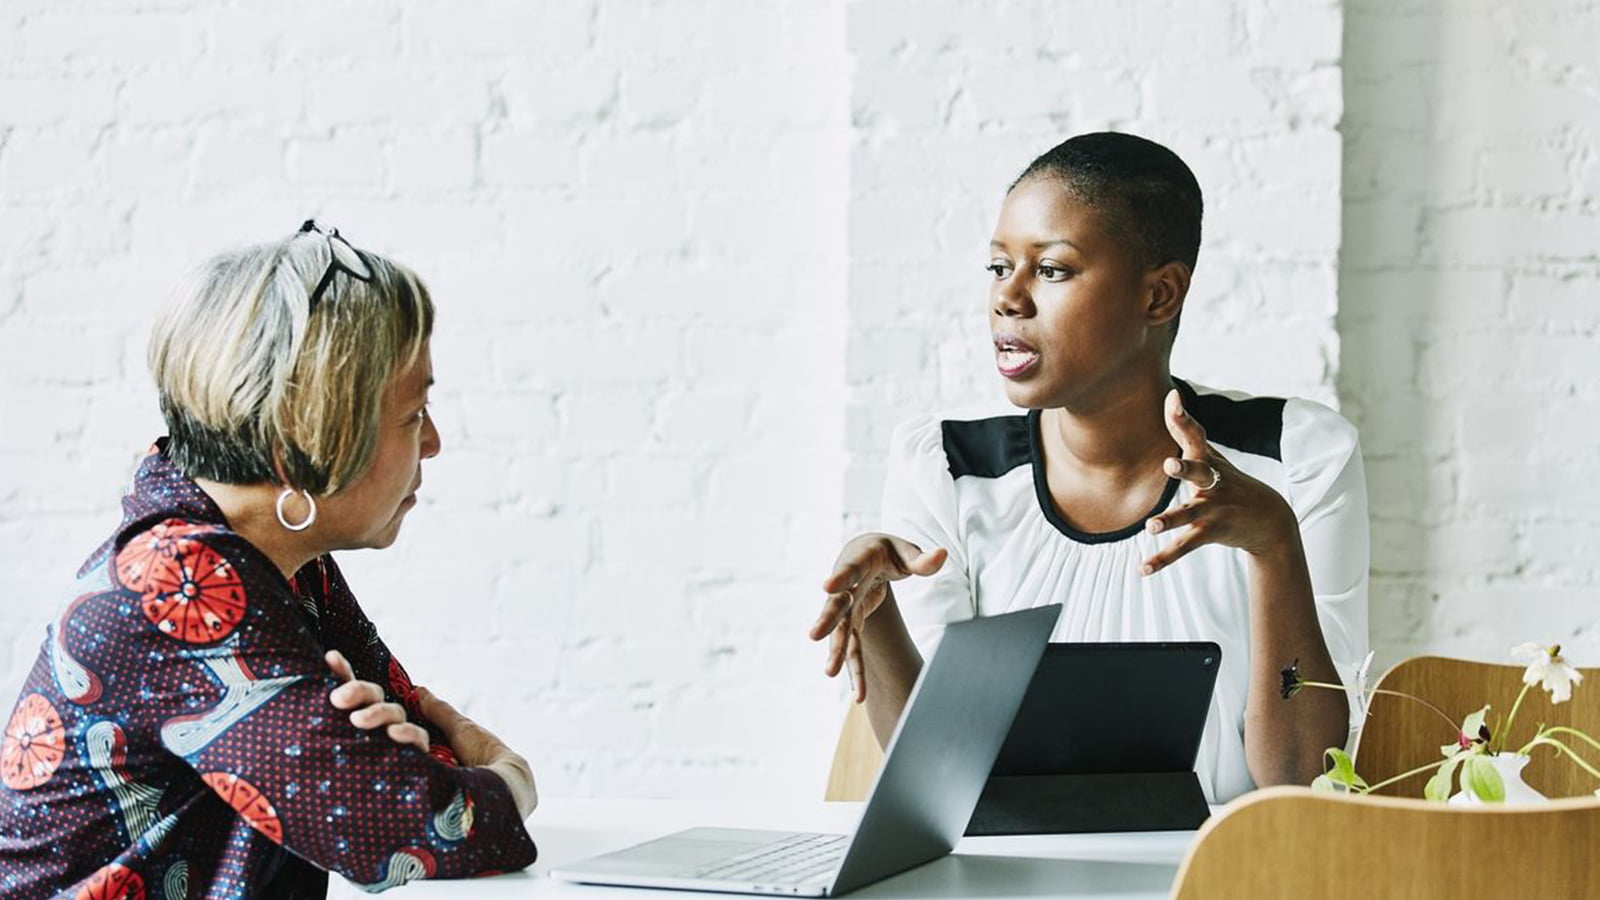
x=1471 y=724
x=1481 y=776
x=1342 y=763
x=1344 y=769
x=1438 y=787
x=1323 y=783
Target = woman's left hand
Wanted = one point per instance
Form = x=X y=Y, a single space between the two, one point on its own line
x=369 y=709
x=1228 y=508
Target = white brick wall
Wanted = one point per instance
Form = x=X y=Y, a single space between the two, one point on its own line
x=695 y=258
x=1469 y=306
x=630 y=214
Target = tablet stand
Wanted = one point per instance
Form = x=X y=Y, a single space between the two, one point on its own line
x=1068 y=804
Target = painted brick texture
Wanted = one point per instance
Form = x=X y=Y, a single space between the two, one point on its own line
x=630 y=215
x=1469 y=305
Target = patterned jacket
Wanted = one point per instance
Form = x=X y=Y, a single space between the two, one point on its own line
x=175 y=739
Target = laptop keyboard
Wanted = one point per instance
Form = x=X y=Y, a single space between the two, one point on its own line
x=791 y=860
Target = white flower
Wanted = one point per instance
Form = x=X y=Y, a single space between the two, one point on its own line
x=1548 y=669
x=1359 y=694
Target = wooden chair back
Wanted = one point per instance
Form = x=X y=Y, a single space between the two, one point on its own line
x=1400 y=735
x=1291 y=842
x=856 y=759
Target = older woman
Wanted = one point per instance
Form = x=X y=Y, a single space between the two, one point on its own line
x=211 y=707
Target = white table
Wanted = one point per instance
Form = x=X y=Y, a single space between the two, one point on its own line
x=1124 y=866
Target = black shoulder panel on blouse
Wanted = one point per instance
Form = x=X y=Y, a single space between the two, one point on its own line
x=986 y=448
x=1252 y=426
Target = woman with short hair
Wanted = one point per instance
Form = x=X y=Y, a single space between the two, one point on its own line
x=211 y=706
x=1152 y=509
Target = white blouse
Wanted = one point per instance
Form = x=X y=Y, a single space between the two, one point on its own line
x=977 y=489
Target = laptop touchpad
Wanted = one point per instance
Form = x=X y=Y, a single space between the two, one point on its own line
x=683 y=851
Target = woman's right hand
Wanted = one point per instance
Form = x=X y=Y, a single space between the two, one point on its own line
x=858 y=586
x=475 y=745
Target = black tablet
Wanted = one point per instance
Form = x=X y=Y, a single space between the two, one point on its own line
x=1101 y=708
x=1105 y=740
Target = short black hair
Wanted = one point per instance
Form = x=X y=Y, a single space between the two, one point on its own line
x=1146 y=193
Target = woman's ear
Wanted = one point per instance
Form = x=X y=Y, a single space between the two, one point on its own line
x=277 y=467
x=1167 y=286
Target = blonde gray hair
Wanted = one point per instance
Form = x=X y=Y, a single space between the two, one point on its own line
x=257 y=387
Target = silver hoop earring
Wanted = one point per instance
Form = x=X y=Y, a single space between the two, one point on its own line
x=310 y=516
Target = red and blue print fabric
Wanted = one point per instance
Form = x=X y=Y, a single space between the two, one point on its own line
x=175 y=739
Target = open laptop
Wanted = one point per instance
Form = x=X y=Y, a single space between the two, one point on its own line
x=955 y=720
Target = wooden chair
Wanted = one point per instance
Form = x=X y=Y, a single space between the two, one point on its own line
x=1291 y=842
x=856 y=760
x=1400 y=735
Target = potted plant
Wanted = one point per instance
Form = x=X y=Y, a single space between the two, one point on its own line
x=1477 y=759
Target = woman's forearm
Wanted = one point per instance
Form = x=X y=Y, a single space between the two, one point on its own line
x=518 y=776
x=1284 y=741
x=891 y=664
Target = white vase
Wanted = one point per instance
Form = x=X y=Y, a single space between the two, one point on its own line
x=1509 y=765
